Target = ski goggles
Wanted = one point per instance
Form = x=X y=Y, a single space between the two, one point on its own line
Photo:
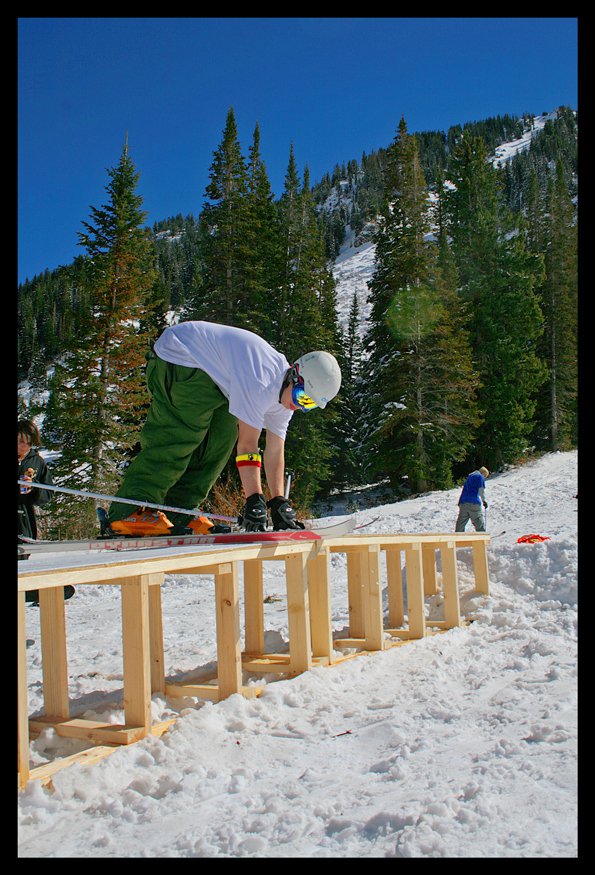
x=299 y=398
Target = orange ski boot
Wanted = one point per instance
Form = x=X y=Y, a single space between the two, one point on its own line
x=143 y=523
x=200 y=526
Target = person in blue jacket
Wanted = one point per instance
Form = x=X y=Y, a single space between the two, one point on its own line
x=471 y=500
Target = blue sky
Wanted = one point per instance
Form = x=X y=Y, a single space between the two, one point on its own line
x=332 y=87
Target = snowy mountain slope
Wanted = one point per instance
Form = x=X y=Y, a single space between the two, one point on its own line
x=354 y=267
x=506 y=151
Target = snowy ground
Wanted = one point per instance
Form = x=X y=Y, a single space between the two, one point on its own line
x=459 y=745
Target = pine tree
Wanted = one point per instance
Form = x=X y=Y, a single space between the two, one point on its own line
x=98 y=391
x=498 y=277
x=262 y=249
x=419 y=375
x=225 y=220
x=289 y=242
x=557 y=413
x=304 y=313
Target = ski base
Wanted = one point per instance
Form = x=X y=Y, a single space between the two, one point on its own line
x=129 y=543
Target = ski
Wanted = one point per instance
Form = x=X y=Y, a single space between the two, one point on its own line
x=117 y=544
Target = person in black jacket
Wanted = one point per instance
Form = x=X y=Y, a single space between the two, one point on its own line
x=32 y=467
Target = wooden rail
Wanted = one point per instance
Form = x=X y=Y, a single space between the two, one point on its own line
x=141 y=575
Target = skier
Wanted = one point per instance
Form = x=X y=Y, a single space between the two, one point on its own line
x=214 y=386
x=471 y=500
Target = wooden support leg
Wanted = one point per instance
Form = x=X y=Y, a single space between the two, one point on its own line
x=428 y=553
x=156 y=633
x=373 y=601
x=415 y=591
x=22 y=695
x=480 y=567
x=320 y=605
x=253 y=607
x=357 y=564
x=394 y=579
x=136 y=648
x=229 y=654
x=53 y=652
x=450 y=588
x=300 y=644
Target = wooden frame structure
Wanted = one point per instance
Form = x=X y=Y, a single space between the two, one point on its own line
x=311 y=642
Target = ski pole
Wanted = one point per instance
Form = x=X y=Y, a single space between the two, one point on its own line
x=133 y=501
x=288 y=484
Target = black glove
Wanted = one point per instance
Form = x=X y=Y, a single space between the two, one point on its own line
x=254 y=515
x=283 y=515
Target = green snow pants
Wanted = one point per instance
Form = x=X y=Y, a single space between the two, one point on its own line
x=469 y=511
x=188 y=436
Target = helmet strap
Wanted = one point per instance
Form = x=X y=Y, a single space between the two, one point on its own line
x=291 y=377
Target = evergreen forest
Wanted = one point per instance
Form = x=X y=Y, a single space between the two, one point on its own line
x=470 y=352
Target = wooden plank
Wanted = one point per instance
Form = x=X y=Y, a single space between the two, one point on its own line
x=229 y=654
x=197 y=561
x=344 y=542
x=373 y=600
x=253 y=606
x=357 y=570
x=155 y=582
x=428 y=558
x=320 y=604
x=45 y=773
x=394 y=580
x=267 y=662
x=136 y=649
x=415 y=591
x=480 y=567
x=22 y=694
x=53 y=652
x=450 y=587
x=358 y=643
x=90 y=730
x=210 y=692
x=298 y=610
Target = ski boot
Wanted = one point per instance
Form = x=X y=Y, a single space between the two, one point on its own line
x=202 y=525
x=142 y=523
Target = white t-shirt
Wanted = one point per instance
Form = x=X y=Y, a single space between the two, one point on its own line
x=245 y=367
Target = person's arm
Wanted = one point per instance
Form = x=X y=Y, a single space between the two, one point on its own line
x=254 y=514
x=282 y=514
x=274 y=464
x=42 y=496
x=248 y=438
x=274 y=461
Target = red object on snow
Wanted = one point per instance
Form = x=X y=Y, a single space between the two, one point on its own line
x=531 y=539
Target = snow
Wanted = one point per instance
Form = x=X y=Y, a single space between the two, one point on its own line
x=508 y=150
x=352 y=271
x=463 y=744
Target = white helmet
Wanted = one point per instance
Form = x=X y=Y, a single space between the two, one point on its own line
x=321 y=375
